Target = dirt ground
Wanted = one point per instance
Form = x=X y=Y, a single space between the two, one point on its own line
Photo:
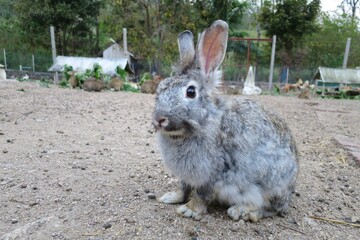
x=80 y=165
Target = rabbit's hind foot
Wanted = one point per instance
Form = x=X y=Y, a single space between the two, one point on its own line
x=172 y=197
x=239 y=212
x=195 y=208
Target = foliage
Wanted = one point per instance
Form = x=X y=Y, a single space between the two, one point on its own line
x=154 y=26
x=305 y=38
x=64 y=84
x=121 y=73
x=67 y=70
x=290 y=21
x=106 y=79
x=44 y=83
x=81 y=77
x=97 y=71
x=276 y=89
x=130 y=88
x=145 y=77
x=73 y=20
x=326 y=47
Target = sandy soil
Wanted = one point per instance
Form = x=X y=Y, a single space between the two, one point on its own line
x=80 y=165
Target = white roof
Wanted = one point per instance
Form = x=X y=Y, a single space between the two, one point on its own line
x=81 y=64
x=338 y=75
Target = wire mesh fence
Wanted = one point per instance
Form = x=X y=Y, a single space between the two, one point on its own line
x=234 y=70
x=25 y=60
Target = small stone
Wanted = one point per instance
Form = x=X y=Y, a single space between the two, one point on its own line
x=152 y=151
x=83 y=168
x=151 y=196
x=235 y=228
x=33 y=204
x=23 y=185
x=132 y=175
x=130 y=220
x=355 y=219
x=146 y=190
x=107 y=225
x=5 y=151
x=259 y=231
x=14 y=221
x=110 y=170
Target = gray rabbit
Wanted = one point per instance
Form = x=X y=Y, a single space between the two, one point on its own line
x=228 y=150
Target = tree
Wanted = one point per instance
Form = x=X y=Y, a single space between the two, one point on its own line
x=326 y=47
x=154 y=26
x=290 y=21
x=70 y=18
x=353 y=4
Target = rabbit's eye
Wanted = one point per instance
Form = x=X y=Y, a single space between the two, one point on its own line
x=190 y=92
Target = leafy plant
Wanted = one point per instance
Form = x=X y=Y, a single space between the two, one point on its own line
x=276 y=89
x=145 y=77
x=130 y=88
x=97 y=71
x=44 y=83
x=106 y=79
x=121 y=72
x=64 y=83
x=67 y=70
x=80 y=78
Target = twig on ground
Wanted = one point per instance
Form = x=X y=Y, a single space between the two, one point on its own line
x=335 y=221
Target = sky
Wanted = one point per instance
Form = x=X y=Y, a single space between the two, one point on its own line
x=329 y=5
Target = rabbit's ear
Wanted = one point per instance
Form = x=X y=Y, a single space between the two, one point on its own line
x=212 y=47
x=186 y=49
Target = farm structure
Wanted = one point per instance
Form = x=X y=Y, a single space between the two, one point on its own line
x=336 y=77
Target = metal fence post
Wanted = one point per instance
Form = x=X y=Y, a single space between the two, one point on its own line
x=33 y=63
x=5 y=59
x=346 y=55
x=272 y=62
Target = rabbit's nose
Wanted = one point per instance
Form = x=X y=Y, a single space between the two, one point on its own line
x=162 y=122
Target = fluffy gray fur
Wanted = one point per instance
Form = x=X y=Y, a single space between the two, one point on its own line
x=230 y=150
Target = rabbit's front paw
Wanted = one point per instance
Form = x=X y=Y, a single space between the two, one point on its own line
x=172 y=197
x=237 y=212
x=195 y=208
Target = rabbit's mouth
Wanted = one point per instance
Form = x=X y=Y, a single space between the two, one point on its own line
x=175 y=134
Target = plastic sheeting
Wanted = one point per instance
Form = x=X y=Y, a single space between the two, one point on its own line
x=81 y=64
x=249 y=85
